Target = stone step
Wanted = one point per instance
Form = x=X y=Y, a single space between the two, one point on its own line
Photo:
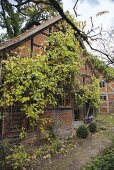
x=13 y=136
x=15 y=124
x=14 y=131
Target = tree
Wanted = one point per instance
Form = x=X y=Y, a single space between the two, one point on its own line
x=13 y=20
x=106 y=70
x=36 y=13
x=105 y=42
x=10 y=19
x=24 y=8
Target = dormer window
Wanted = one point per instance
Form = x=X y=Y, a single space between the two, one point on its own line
x=102 y=83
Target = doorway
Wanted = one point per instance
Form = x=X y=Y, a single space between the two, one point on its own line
x=76 y=114
x=88 y=112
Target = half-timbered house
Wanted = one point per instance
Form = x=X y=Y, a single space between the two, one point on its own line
x=65 y=115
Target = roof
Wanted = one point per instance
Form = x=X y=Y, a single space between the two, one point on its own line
x=28 y=34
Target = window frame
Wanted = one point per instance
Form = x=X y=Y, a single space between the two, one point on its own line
x=103 y=97
x=102 y=83
x=64 y=102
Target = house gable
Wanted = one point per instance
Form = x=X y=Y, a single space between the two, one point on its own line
x=32 y=38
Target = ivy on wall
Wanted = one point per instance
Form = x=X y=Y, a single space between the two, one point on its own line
x=33 y=83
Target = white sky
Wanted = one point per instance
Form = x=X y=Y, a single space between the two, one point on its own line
x=88 y=8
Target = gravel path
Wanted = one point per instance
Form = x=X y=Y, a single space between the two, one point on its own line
x=84 y=152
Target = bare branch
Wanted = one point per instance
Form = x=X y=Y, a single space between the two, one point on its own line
x=92 y=30
x=100 y=52
x=74 y=8
x=91 y=23
x=61 y=12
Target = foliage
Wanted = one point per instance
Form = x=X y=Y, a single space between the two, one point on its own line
x=42 y=151
x=103 y=162
x=30 y=14
x=19 y=157
x=102 y=13
x=34 y=83
x=10 y=19
x=35 y=14
x=98 y=64
x=29 y=82
x=82 y=132
x=107 y=71
x=22 y=134
x=107 y=120
x=106 y=160
x=3 y=153
x=92 y=127
x=55 y=144
x=89 y=92
x=64 y=55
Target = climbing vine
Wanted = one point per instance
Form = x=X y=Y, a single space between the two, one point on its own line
x=34 y=83
x=89 y=93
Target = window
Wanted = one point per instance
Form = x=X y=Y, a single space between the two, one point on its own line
x=83 y=80
x=102 y=83
x=103 y=97
x=60 y=101
x=65 y=102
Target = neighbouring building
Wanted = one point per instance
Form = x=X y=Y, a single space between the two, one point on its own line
x=107 y=95
x=65 y=115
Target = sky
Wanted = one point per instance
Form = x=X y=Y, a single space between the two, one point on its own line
x=89 y=8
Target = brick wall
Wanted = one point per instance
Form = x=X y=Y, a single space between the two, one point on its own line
x=62 y=121
x=61 y=117
x=25 y=49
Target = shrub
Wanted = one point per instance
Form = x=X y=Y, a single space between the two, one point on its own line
x=92 y=127
x=103 y=162
x=55 y=145
x=18 y=158
x=82 y=132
